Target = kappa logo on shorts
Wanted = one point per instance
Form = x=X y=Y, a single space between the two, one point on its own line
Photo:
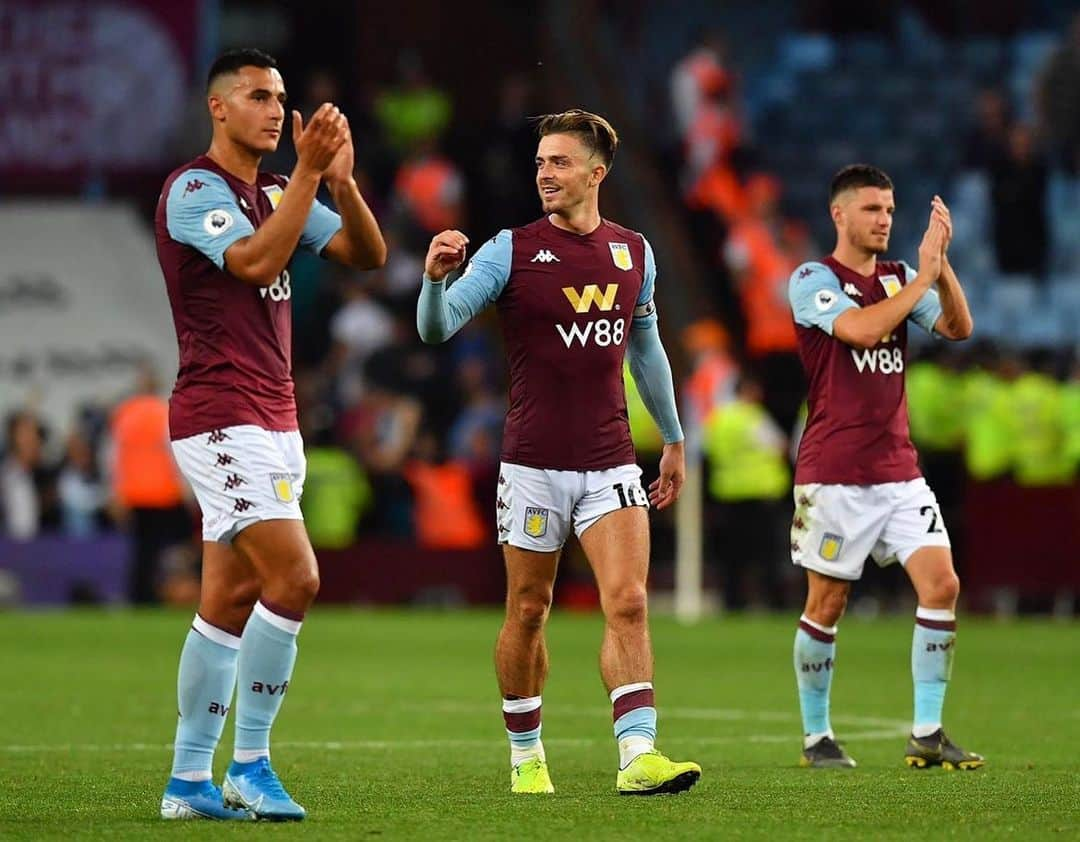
x=830 y=546
x=282 y=484
x=536 y=521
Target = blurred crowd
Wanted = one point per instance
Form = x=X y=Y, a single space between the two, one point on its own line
x=402 y=439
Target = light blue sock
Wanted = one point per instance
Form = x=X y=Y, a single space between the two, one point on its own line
x=815 y=657
x=267 y=655
x=932 y=648
x=204 y=690
x=633 y=709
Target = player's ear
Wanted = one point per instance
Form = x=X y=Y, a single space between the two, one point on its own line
x=216 y=103
x=597 y=175
x=836 y=212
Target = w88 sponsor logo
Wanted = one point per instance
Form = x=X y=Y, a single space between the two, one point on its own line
x=279 y=290
x=879 y=360
x=602 y=332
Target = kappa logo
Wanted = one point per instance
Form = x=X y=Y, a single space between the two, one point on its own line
x=536 y=522
x=545 y=256
x=242 y=505
x=806 y=273
x=620 y=256
x=217 y=436
x=234 y=481
x=193 y=185
x=224 y=459
x=590 y=294
x=851 y=290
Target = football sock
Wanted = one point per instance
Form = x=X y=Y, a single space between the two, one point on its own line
x=634 y=712
x=204 y=690
x=932 y=649
x=522 y=718
x=815 y=656
x=267 y=655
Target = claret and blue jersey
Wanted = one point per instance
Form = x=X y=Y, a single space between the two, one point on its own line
x=234 y=338
x=857 y=427
x=567 y=304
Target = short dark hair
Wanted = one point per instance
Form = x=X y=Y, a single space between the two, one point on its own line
x=232 y=60
x=854 y=176
x=591 y=129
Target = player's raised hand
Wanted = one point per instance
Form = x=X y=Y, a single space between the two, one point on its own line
x=665 y=489
x=931 y=249
x=319 y=142
x=341 y=168
x=939 y=210
x=445 y=254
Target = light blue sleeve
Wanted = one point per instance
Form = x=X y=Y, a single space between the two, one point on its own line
x=321 y=226
x=651 y=370
x=201 y=211
x=442 y=312
x=928 y=309
x=816 y=297
x=645 y=309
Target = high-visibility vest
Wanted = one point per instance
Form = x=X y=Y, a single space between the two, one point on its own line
x=746 y=454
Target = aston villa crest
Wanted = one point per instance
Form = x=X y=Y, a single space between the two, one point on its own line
x=620 y=256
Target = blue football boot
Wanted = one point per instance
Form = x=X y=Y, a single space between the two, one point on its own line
x=197 y=800
x=254 y=786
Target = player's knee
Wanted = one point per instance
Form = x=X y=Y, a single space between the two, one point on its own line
x=943 y=592
x=829 y=606
x=305 y=584
x=530 y=609
x=629 y=604
x=242 y=596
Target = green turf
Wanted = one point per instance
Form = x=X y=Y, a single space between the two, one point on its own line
x=392 y=729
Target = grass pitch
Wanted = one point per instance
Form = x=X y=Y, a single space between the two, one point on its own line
x=392 y=729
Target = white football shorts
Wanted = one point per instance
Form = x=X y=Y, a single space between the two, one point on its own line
x=836 y=527
x=535 y=507
x=242 y=475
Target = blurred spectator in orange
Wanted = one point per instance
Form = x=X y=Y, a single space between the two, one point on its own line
x=760 y=265
x=445 y=514
x=147 y=490
x=699 y=76
x=430 y=190
x=713 y=372
x=27 y=484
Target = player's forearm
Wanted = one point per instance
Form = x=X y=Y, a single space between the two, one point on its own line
x=651 y=371
x=956 y=321
x=261 y=258
x=438 y=315
x=366 y=248
x=863 y=327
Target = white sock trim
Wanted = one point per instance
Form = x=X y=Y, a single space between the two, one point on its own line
x=194 y=777
x=276 y=620
x=631 y=747
x=924 y=730
x=250 y=755
x=818 y=626
x=215 y=635
x=813 y=739
x=521 y=705
x=520 y=755
x=940 y=614
x=626 y=689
